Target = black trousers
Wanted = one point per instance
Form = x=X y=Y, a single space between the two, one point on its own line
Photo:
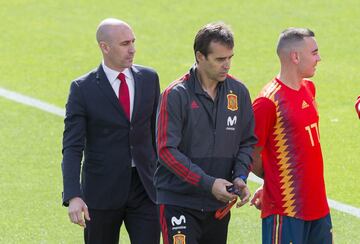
x=139 y=216
x=190 y=226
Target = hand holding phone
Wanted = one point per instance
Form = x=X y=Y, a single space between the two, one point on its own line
x=232 y=189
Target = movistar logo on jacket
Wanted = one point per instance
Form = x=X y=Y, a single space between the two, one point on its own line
x=231 y=122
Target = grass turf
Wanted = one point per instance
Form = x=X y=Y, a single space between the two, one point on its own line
x=46 y=44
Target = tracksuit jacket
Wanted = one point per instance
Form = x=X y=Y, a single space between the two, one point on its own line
x=200 y=139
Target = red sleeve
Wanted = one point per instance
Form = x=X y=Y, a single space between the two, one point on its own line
x=357 y=106
x=265 y=118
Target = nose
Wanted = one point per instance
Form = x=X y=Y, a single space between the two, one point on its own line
x=319 y=58
x=227 y=64
x=132 y=48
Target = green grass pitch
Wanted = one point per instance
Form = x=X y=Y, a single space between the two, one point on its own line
x=45 y=44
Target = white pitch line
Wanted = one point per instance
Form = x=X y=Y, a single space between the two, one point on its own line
x=17 y=97
x=29 y=101
x=342 y=207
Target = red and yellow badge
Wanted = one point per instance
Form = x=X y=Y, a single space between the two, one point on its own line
x=232 y=102
x=179 y=239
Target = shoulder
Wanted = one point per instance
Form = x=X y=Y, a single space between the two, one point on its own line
x=178 y=86
x=235 y=83
x=266 y=98
x=144 y=69
x=85 y=79
x=309 y=84
x=270 y=91
x=178 y=92
x=264 y=109
x=176 y=95
x=147 y=74
x=262 y=102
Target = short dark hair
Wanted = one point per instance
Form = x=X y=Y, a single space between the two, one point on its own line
x=291 y=36
x=213 y=32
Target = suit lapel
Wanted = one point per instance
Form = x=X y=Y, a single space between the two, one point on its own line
x=106 y=88
x=138 y=90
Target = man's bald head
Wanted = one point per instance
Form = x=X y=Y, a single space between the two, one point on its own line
x=106 y=28
x=291 y=39
x=117 y=43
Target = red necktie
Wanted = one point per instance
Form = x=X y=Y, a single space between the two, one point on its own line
x=124 y=98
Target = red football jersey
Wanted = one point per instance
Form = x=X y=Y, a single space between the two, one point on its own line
x=286 y=123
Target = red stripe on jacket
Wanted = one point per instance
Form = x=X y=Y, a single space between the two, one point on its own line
x=164 y=152
x=163 y=224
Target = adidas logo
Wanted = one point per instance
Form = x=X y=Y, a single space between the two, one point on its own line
x=304 y=105
x=194 y=105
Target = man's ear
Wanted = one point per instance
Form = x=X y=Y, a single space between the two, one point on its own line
x=295 y=57
x=104 y=47
x=199 y=56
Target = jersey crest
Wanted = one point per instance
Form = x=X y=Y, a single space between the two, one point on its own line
x=232 y=102
x=179 y=239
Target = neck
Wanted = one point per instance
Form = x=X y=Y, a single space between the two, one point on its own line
x=207 y=84
x=113 y=67
x=291 y=79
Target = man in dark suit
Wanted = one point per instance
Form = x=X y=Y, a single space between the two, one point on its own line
x=110 y=119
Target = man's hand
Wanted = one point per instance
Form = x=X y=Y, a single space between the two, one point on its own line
x=220 y=192
x=76 y=209
x=257 y=199
x=243 y=191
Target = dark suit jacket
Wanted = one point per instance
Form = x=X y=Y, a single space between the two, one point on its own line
x=97 y=128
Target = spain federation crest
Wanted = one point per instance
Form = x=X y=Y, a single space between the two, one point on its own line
x=179 y=239
x=232 y=102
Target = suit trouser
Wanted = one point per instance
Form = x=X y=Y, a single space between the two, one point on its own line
x=139 y=215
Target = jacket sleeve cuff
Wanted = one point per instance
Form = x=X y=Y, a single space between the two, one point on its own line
x=243 y=177
x=242 y=173
x=207 y=182
x=66 y=198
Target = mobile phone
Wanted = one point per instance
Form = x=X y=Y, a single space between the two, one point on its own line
x=232 y=189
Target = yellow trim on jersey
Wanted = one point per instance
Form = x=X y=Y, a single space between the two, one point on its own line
x=271 y=90
x=282 y=151
x=277 y=229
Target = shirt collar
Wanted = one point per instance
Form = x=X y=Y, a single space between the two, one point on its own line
x=113 y=74
x=197 y=85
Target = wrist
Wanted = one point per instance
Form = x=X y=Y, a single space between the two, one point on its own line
x=244 y=178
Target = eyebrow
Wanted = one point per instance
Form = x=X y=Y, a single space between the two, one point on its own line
x=129 y=40
x=315 y=51
x=225 y=57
